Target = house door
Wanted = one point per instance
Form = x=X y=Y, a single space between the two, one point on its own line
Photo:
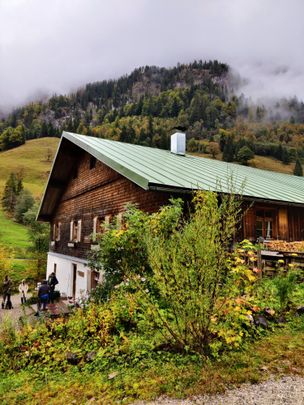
x=94 y=279
x=74 y=275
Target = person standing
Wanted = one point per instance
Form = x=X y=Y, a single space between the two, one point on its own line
x=52 y=282
x=7 y=291
x=23 y=289
x=43 y=295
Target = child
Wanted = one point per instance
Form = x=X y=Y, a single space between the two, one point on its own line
x=23 y=289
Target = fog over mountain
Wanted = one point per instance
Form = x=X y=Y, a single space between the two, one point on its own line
x=56 y=46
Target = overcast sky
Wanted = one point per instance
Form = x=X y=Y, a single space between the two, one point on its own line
x=49 y=46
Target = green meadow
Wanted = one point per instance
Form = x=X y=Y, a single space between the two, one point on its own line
x=33 y=160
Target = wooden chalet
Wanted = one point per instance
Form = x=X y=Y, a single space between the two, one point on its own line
x=93 y=179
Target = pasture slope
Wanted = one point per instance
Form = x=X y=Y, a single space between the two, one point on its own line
x=34 y=161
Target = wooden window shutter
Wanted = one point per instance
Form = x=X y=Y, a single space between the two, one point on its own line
x=249 y=225
x=54 y=232
x=107 y=221
x=59 y=231
x=283 y=223
x=119 y=220
x=71 y=230
x=95 y=219
x=79 y=231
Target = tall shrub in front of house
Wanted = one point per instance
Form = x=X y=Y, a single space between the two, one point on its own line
x=192 y=269
x=179 y=269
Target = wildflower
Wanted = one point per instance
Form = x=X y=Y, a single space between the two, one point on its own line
x=256 y=270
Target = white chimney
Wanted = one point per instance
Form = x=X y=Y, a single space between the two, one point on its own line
x=178 y=143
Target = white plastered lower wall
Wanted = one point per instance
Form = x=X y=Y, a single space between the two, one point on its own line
x=65 y=267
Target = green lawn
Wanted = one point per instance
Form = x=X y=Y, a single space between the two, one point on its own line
x=33 y=160
x=13 y=235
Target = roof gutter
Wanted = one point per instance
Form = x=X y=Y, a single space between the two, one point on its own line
x=165 y=188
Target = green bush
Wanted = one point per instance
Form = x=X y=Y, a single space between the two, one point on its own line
x=175 y=287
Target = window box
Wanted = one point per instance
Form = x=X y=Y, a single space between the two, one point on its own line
x=87 y=239
x=71 y=244
x=53 y=243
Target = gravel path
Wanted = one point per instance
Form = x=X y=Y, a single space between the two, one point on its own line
x=284 y=391
x=17 y=311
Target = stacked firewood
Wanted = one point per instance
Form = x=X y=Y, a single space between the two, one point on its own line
x=283 y=246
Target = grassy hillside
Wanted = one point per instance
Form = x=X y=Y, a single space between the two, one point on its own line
x=33 y=160
x=261 y=162
x=12 y=235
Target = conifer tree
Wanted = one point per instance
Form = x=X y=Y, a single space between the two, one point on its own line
x=12 y=189
x=228 y=152
x=298 y=170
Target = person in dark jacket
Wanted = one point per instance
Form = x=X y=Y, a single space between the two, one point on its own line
x=43 y=295
x=7 y=290
x=52 y=282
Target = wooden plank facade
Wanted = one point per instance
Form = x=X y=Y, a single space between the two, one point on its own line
x=94 y=194
x=271 y=221
x=92 y=181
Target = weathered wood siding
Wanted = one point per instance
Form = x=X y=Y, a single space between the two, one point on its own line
x=295 y=223
x=288 y=221
x=101 y=191
x=97 y=192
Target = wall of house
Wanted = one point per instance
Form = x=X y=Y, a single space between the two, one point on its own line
x=99 y=191
x=287 y=221
x=70 y=284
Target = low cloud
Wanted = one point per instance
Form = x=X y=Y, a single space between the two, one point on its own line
x=56 y=46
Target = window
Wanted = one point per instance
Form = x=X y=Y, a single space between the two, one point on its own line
x=75 y=231
x=120 y=220
x=92 y=162
x=57 y=231
x=100 y=224
x=265 y=223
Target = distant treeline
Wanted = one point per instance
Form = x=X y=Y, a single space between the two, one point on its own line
x=144 y=107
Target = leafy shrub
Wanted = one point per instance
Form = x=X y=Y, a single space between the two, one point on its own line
x=121 y=250
x=190 y=268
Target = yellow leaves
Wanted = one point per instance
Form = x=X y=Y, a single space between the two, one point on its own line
x=250 y=276
x=238 y=260
x=119 y=233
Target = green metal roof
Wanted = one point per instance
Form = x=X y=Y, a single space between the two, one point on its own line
x=153 y=168
x=157 y=169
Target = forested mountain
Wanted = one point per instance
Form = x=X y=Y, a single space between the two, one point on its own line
x=144 y=106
